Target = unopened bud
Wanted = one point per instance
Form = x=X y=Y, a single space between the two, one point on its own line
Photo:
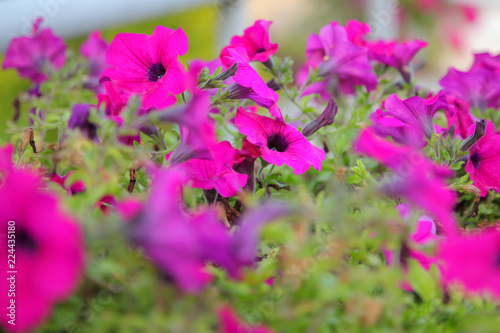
x=325 y=119
x=478 y=134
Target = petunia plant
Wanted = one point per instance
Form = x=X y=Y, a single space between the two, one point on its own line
x=247 y=194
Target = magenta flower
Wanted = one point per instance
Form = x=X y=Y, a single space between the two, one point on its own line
x=148 y=65
x=356 y=32
x=461 y=118
x=230 y=323
x=397 y=55
x=74 y=188
x=244 y=162
x=34 y=57
x=337 y=57
x=409 y=121
x=94 y=49
x=279 y=143
x=208 y=175
x=49 y=254
x=249 y=84
x=113 y=99
x=255 y=41
x=415 y=178
x=483 y=165
x=472 y=261
x=480 y=86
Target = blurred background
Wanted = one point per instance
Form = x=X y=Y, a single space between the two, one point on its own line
x=455 y=29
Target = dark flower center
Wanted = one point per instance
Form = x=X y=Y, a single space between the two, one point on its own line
x=475 y=159
x=277 y=142
x=260 y=50
x=156 y=72
x=25 y=241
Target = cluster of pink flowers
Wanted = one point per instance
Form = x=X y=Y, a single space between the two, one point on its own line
x=180 y=240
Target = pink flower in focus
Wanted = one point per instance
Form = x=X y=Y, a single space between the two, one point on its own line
x=255 y=41
x=48 y=248
x=409 y=121
x=336 y=56
x=461 y=118
x=34 y=57
x=148 y=65
x=472 y=261
x=415 y=178
x=397 y=55
x=279 y=143
x=230 y=323
x=249 y=84
x=483 y=165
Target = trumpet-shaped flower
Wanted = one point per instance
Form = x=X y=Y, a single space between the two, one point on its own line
x=255 y=41
x=279 y=142
x=49 y=255
x=483 y=165
x=148 y=65
x=94 y=49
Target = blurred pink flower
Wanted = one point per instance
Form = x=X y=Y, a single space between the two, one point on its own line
x=148 y=65
x=409 y=121
x=94 y=49
x=461 y=117
x=397 y=55
x=76 y=187
x=230 y=323
x=35 y=56
x=483 y=165
x=480 y=86
x=279 y=143
x=336 y=56
x=255 y=41
x=49 y=254
x=416 y=178
x=472 y=261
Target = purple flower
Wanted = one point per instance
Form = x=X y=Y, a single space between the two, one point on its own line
x=279 y=143
x=34 y=57
x=49 y=251
x=397 y=55
x=409 y=121
x=249 y=84
x=80 y=119
x=255 y=41
x=415 y=177
x=483 y=165
x=480 y=86
x=337 y=57
x=148 y=65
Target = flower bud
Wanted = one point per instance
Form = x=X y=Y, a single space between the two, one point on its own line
x=325 y=119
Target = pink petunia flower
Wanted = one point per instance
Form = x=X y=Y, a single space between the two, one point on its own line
x=480 y=86
x=148 y=65
x=207 y=174
x=255 y=41
x=249 y=84
x=279 y=142
x=397 y=55
x=230 y=323
x=409 y=121
x=461 y=118
x=337 y=57
x=416 y=178
x=35 y=56
x=357 y=31
x=94 y=49
x=472 y=261
x=49 y=254
x=483 y=165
